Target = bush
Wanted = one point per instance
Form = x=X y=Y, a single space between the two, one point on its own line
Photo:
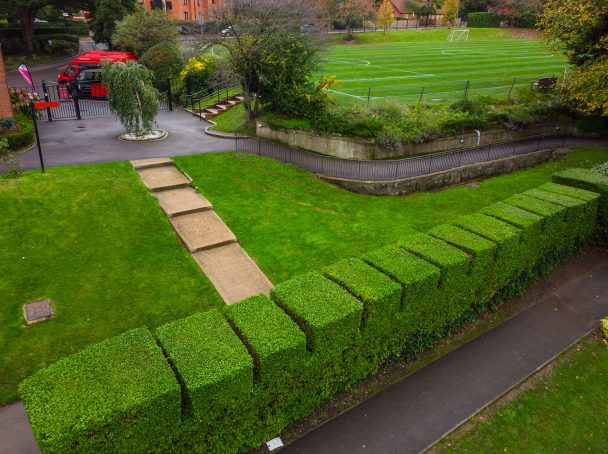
x=272 y=361
x=212 y=363
x=483 y=20
x=602 y=169
x=328 y=315
x=119 y=394
x=23 y=136
x=591 y=181
x=164 y=60
x=605 y=327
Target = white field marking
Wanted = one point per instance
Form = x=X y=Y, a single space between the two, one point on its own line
x=368 y=64
x=346 y=94
x=386 y=78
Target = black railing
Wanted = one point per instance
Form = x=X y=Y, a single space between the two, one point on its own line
x=217 y=93
x=397 y=169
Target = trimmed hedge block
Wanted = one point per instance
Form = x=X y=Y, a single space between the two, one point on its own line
x=483 y=252
x=419 y=280
x=328 y=315
x=120 y=394
x=509 y=259
x=211 y=362
x=580 y=215
x=591 y=181
x=454 y=265
x=381 y=296
x=277 y=344
x=570 y=191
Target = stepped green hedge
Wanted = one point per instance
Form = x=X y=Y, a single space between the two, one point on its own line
x=249 y=371
x=483 y=20
x=594 y=182
x=118 y=395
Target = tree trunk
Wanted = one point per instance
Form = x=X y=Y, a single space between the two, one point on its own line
x=26 y=17
x=247 y=105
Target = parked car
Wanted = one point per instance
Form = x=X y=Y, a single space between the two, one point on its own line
x=88 y=85
x=227 y=32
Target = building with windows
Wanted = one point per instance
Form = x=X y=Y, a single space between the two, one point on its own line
x=187 y=10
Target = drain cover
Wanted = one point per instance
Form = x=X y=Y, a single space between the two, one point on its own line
x=38 y=311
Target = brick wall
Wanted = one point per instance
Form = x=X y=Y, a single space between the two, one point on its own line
x=6 y=108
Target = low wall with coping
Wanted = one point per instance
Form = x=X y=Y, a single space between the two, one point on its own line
x=367 y=149
x=450 y=177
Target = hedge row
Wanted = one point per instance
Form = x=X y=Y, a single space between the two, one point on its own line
x=248 y=372
x=483 y=20
x=24 y=136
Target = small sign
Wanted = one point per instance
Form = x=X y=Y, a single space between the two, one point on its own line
x=275 y=443
x=25 y=73
x=46 y=104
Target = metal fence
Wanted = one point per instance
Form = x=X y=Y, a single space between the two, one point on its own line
x=398 y=168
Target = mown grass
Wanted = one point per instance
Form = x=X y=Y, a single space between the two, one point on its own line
x=567 y=412
x=94 y=241
x=291 y=223
x=233 y=120
x=397 y=65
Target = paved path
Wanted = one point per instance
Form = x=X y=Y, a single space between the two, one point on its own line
x=93 y=140
x=213 y=245
x=414 y=413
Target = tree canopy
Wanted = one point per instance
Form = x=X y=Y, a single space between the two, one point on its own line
x=107 y=13
x=142 y=30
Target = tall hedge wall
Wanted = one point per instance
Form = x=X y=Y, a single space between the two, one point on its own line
x=249 y=371
x=483 y=20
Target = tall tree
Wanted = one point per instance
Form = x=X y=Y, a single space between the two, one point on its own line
x=271 y=45
x=351 y=12
x=385 y=16
x=107 y=14
x=450 y=12
x=25 y=11
x=142 y=30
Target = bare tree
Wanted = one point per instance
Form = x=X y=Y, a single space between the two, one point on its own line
x=256 y=32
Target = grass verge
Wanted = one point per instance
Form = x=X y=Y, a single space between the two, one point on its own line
x=94 y=241
x=292 y=223
x=233 y=120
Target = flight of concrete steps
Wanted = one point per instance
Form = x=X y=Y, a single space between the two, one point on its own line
x=219 y=107
x=212 y=244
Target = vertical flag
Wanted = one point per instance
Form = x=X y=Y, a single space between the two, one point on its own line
x=25 y=73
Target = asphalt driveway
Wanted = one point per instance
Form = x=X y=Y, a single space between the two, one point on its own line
x=93 y=140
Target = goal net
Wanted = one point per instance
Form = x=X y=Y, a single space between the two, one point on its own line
x=458 y=35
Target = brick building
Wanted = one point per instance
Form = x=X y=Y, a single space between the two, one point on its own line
x=189 y=10
x=6 y=108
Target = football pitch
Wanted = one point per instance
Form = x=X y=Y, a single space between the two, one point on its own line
x=400 y=65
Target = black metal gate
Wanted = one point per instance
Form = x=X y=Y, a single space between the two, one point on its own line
x=75 y=108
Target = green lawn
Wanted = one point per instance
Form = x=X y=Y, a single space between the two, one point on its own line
x=233 y=120
x=397 y=65
x=291 y=223
x=567 y=412
x=96 y=242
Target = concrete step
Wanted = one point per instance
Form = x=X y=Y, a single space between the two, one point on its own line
x=211 y=111
x=222 y=106
x=175 y=202
x=163 y=178
x=203 y=230
x=233 y=273
x=232 y=102
x=139 y=164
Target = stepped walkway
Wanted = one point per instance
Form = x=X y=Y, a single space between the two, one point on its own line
x=413 y=414
x=213 y=245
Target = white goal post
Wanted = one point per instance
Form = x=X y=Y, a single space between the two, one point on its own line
x=458 y=35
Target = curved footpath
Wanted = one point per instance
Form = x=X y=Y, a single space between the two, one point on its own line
x=413 y=414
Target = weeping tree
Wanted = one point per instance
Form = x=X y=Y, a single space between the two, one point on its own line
x=131 y=96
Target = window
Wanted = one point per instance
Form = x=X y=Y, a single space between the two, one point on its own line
x=185 y=2
x=185 y=14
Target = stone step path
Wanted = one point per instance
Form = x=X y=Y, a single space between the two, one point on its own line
x=214 y=247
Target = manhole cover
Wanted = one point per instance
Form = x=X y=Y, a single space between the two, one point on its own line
x=473 y=185
x=81 y=127
x=38 y=311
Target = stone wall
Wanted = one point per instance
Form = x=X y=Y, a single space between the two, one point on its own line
x=446 y=178
x=354 y=148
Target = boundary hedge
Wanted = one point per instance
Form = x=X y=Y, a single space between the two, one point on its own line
x=483 y=20
x=249 y=371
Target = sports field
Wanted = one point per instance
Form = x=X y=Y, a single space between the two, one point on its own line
x=398 y=65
